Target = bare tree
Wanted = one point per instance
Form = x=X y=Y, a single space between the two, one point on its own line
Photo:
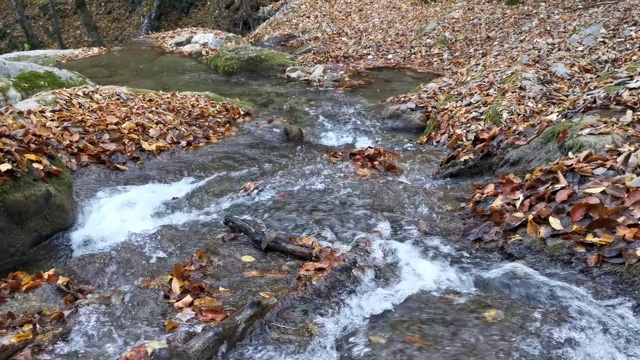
x=87 y=21
x=24 y=24
x=56 y=23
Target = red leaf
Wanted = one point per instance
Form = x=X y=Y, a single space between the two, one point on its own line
x=212 y=315
x=578 y=211
x=562 y=135
x=602 y=223
x=563 y=195
x=137 y=353
x=632 y=198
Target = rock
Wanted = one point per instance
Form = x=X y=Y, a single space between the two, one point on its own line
x=331 y=80
x=31 y=211
x=41 y=57
x=407 y=116
x=296 y=73
x=212 y=41
x=306 y=49
x=29 y=78
x=249 y=60
x=8 y=94
x=194 y=50
x=318 y=71
x=182 y=40
x=428 y=27
x=293 y=133
x=35 y=102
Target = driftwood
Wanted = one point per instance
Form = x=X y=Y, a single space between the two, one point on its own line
x=267 y=240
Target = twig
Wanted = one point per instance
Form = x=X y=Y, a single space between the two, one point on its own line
x=590 y=6
x=282 y=326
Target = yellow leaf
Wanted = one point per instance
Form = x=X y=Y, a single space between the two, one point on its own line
x=594 y=190
x=493 y=315
x=176 y=286
x=555 y=223
x=63 y=280
x=363 y=172
x=121 y=167
x=497 y=203
x=21 y=337
x=377 y=340
x=248 y=258
x=4 y=167
x=154 y=345
x=186 y=301
x=605 y=239
x=32 y=157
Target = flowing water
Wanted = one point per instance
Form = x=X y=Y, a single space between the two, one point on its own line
x=464 y=305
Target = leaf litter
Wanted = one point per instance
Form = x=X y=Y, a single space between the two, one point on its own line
x=110 y=126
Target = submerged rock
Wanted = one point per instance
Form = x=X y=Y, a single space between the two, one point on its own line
x=251 y=60
x=318 y=75
x=31 y=211
x=406 y=116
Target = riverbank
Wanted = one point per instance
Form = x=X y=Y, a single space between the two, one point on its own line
x=517 y=79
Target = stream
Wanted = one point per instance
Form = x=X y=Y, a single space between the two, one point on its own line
x=465 y=305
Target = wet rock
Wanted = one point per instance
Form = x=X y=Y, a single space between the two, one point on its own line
x=209 y=40
x=293 y=133
x=405 y=116
x=296 y=73
x=8 y=94
x=306 y=49
x=318 y=75
x=249 y=60
x=181 y=40
x=428 y=27
x=31 y=211
x=194 y=50
x=45 y=57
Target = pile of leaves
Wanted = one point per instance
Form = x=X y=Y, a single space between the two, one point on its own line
x=82 y=53
x=590 y=201
x=106 y=125
x=20 y=329
x=190 y=295
x=505 y=69
x=367 y=159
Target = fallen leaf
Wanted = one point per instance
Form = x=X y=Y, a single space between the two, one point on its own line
x=563 y=195
x=493 y=315
x=416 y=341
x=595 y=190
x=377 y=340
x=208 y=303
x=578 y=211
x=137 y=353
x=154 y=345
x=4 y=167
x=632 y=198
x=212 y=315
x=248 y=258
x=170 y=326
x=555 y=223
x=185 y=302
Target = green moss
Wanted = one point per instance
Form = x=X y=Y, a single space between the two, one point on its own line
x=574 y=146
x=555 y=250
x=32 y=82
x=231 y=60
x=416 y=89
x=633 y=68
x=63 y=183
x=445 y=101
x=612 y=89
x=432 y=125
x=512 y=2
x=219 y=98
x=511 y=79
x=605 y=76
x=551 y=134
x=442 y=42
x=492 y=114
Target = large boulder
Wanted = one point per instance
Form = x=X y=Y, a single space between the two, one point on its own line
x=31 y=211
x=249 y=60
x=29 y=78
x=47 y=57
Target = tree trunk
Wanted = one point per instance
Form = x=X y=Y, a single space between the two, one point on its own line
x=150 y=23
x=87 y=21
x=22 y=19
x=56 y=23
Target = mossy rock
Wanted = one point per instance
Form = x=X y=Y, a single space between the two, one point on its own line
x=31 y=211
x=32 y=82
x=249 y=60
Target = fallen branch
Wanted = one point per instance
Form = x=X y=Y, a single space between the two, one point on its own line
x=269 y=241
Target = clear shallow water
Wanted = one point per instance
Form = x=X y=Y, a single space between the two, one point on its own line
x=138 y=224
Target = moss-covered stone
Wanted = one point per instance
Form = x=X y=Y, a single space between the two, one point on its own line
x=551 y=134
x=492 y=114
x=250 y=60
x=612 y=89
x=31 y=211
x=432 y=125
x=32 y=82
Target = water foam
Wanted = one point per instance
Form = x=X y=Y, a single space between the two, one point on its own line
x=115 y=214
x=598 y=329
